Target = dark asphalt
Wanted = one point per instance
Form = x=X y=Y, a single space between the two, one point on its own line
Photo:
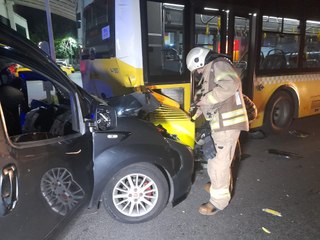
x=290 y=186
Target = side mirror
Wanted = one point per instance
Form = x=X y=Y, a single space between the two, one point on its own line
x=105 y=118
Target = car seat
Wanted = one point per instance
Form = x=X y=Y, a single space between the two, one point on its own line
x=11 y=99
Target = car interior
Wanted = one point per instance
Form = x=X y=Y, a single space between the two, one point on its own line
x=34 y=107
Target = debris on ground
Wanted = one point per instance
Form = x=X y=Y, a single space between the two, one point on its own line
x=256 y=134
x=273 y=212
x=284 y=154
x=298 y=133
x=265 y=230
x=244 y=156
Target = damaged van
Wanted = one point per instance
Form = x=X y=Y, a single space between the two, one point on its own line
x=63 y=150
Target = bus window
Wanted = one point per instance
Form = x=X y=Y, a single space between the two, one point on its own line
x=207 y=31
x=165 y=39
x=312 y=45
x=241 y=39
x=280 y=43
x=98 y=31
x=241 y=45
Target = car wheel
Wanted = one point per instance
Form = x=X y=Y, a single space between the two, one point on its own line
x=136 y=193
x=279 y=112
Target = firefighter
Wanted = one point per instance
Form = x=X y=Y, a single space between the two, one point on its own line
x=219 y=98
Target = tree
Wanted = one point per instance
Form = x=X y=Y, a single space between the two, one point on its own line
x=66 y=47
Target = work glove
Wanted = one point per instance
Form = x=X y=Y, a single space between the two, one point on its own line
x=208 y=148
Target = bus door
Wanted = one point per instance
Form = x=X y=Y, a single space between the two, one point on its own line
x=210 y=29
x=164 y=53
x=241 y=44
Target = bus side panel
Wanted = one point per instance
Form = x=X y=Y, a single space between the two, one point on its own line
x=109 y=77
x=309 y=94
x=128 y=32
x=260 y=98
x=305 y=86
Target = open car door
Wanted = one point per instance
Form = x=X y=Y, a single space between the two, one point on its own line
x=45 y=151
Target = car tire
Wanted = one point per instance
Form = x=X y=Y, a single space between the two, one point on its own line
x=136 y=193
x=279 y=113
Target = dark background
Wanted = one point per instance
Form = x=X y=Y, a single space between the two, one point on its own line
x=37 y=23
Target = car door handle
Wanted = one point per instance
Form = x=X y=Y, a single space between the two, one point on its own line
x=8 y=188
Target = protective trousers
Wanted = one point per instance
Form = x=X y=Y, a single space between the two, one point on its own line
x=219 y=168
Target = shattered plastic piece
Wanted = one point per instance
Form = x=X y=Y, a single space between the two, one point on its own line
x=257 y=134
x=273 y=212
x=244 y=156
x=298 y=133
x=265 y=230
x=284 y=153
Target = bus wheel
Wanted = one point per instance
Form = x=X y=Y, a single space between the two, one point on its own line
x=279 y=112
x=137 y=193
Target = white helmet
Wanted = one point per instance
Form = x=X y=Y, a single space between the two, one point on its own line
x=196 y=58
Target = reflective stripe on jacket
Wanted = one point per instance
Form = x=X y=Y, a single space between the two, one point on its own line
x=230 y=115
x=221 y=91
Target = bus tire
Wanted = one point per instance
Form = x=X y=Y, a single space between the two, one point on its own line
x=279 y=113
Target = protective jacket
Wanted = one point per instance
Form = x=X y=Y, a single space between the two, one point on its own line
x=221 y=98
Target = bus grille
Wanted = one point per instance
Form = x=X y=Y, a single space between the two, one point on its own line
x=168 y=113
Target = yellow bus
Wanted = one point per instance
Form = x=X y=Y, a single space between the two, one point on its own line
x=142 y=45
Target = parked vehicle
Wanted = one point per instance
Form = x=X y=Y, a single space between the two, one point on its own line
x=63 y=150
x=67 y=68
